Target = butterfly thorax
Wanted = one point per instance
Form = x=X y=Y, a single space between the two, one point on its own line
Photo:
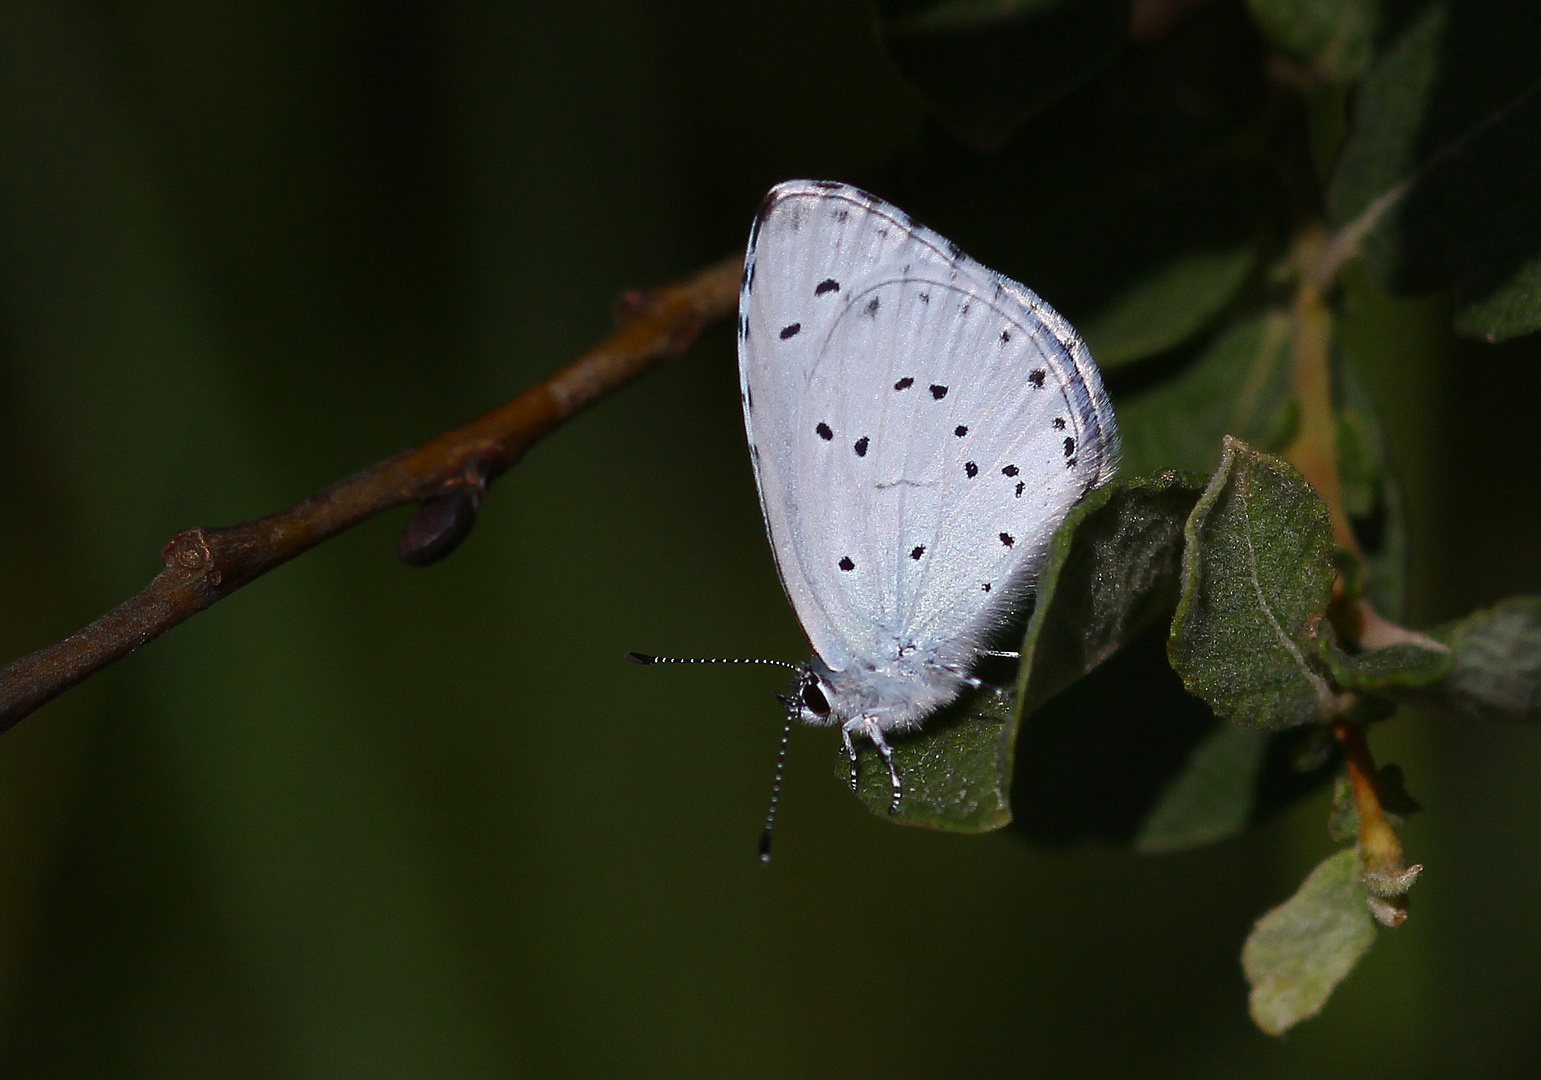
x=893 y=695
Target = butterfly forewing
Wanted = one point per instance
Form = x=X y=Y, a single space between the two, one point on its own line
x=919 y=425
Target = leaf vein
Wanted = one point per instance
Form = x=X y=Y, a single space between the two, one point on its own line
x=1317 y=682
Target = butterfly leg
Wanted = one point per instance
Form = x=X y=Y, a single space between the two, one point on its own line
x=888 y=759
x=850 y=754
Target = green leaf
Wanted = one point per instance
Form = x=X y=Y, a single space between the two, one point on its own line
x=1237 y=386
x=1400 y=665
x=1359 y=464
x=1337 y=37
x=1343 y=818
x=1213 y=797
x=1509 y=310
x=1111 y=746
x=1298 y=953
x=1495 y=669
x=1257 y=576
x=1112 y=568
x=1451 y=111
x=987 y=65
x=1145 y=221
x=954 y=773
x=1174 y=302
x=1100 y=758
x=1094 y=760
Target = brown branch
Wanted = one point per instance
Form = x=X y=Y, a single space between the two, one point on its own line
x=447 y=474
x=1314 y=448
x=1385 y=872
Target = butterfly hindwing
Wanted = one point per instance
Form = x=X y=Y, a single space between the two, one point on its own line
x=919 y=425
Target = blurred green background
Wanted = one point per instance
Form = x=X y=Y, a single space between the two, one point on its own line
x=364 y=820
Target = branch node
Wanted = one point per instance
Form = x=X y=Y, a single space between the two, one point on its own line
x=439 y=525
x=189 y=550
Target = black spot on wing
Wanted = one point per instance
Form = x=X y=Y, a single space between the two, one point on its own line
x=985 y=586
x=791 y=330
x=1010 y=470
x=871 y=309
x=1008 y=539
x=1059 y=423
x=960 y=431
x=861 y=446
x=938 y=392
x=824 y=432
x=846 y=564
x=970 y=469
x=1020 y=485
x=827 y=285
x=1069 y=446
x=917 y=551
x=1036 y=378
x=904 y=383
x=1005 y=336
x=925 y=298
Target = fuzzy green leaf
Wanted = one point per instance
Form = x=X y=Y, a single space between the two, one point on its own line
x=1336 y=37
x=1126 y=754
x=1112 y=568
x=1257 y=576
x=1213 y=797
x=1116 y=747
x=1451 y=112
x=1298 y=953
x=1174 y=302
x=1238 y=386
x=955 y=773
x=1395 y=666
x=1495 y=669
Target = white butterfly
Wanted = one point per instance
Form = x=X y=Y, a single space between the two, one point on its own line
x=919 y=426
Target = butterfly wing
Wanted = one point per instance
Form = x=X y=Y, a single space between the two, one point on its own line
x=919 y=426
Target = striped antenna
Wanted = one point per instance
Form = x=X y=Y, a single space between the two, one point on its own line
x=781 y=767
x=786 y=732
x=649 y=658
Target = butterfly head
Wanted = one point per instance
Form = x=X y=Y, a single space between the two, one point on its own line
x=809 y=700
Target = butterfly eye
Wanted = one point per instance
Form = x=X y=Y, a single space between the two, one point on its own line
x=814 y=700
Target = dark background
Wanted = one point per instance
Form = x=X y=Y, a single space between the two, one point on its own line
x=364 y=820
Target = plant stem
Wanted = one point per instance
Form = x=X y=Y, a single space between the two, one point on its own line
x=1314 y=448
x=204 y=565
x=1386 y=875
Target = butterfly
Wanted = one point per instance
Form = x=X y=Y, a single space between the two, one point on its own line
x=919 y=426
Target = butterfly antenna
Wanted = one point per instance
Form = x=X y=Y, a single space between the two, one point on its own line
x=786 y=732
x=649 y=658
x=775 y=800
